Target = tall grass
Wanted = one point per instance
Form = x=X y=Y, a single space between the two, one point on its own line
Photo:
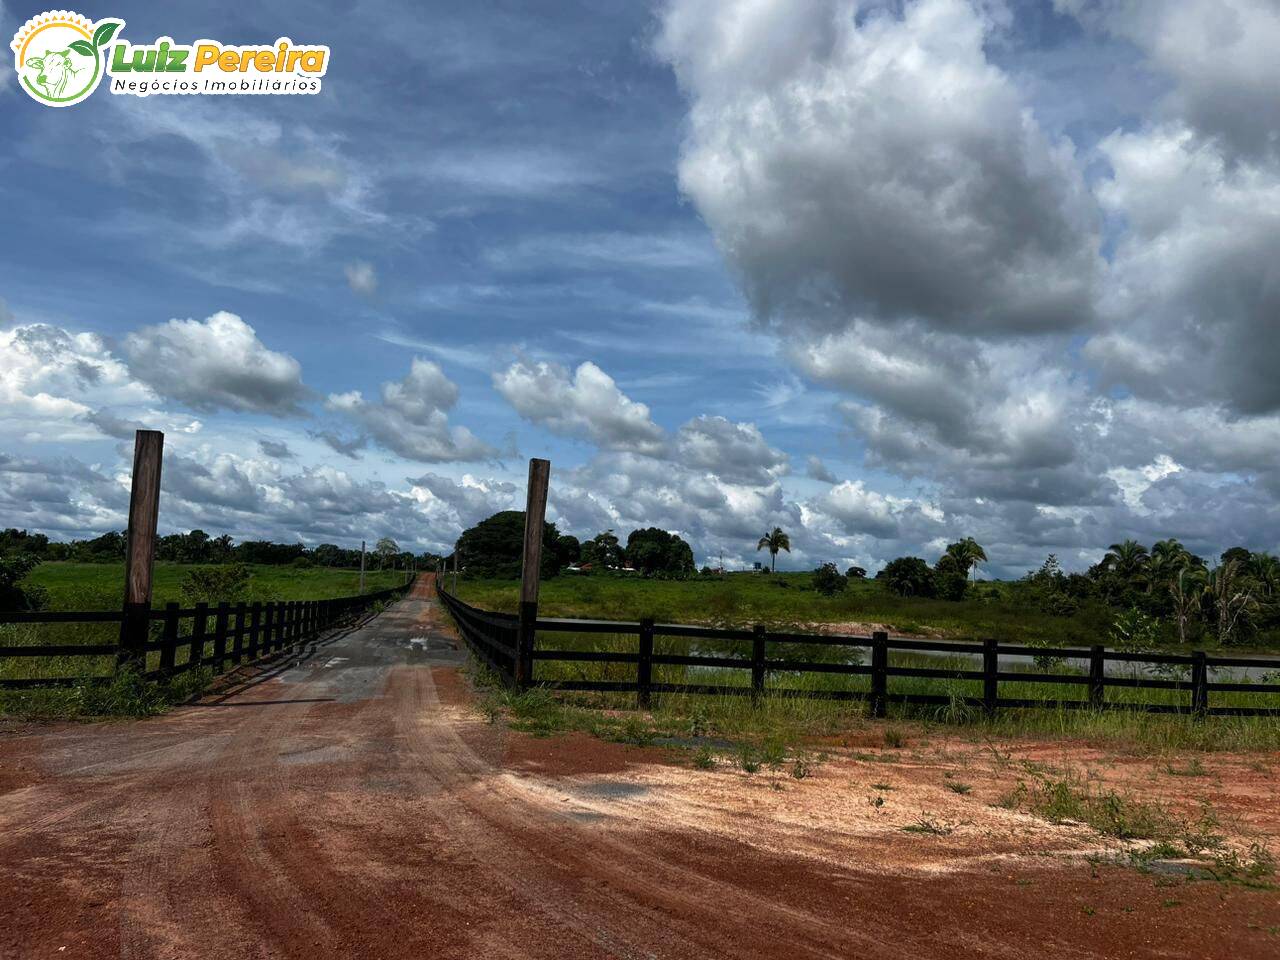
x=793 y=717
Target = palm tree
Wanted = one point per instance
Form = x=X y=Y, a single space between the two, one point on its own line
x=1233 y=597
x=1168 y=558
x=967 y=553
x=1128 y=559
x=1186 y=588
x=773 y=541
x=1264 y=570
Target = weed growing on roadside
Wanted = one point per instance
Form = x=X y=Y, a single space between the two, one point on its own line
x=928 y=824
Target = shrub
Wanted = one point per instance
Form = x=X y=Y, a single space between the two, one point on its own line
x=228 y=582
x=13 y=595
x=909 y=577
x=1134 y=631
x=949 y=579
x=828 y=581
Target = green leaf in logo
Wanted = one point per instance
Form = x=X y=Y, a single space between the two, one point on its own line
x=82 y=47
x=104 y=33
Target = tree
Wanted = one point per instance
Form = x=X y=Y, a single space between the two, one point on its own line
x=386 y=550
x=1238 y=554
x=494 y=547
x=909 y=577
x=653 y=550
x=568 y=550
x=827 y=580
x=949 y=578
x=1232 y=597
x=856 y=573
x=967 y=553
x=773 y=541
x=1167 y=559
x=1127 y=560
x=1186 y=590
x=604 y=550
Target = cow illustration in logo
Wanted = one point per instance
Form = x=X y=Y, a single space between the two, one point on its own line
x=55 y=71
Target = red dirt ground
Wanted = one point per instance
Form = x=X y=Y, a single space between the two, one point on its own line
x=356 y=804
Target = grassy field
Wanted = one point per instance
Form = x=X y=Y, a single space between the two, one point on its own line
x=100 y=586
x=788 y=599
x=94 y=586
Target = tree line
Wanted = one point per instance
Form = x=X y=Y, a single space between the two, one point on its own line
x=494 y=548
x=198 y=547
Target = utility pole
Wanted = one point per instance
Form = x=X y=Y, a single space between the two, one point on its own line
x=362 y=566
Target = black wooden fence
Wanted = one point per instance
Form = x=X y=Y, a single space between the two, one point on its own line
x=214 y=636
x=494 y=638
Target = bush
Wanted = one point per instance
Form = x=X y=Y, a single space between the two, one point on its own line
x=1134 y=631
x=14 y=596
x=949 y=579
x=214 y=584
x=828 y=581
x=301 y=563
x=909 y=577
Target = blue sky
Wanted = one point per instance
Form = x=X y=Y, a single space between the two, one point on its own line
x=886 y=274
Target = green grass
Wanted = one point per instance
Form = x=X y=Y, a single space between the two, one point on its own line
x=787 y=600
x=100 y=586
x=126 y=694
x=794 y=719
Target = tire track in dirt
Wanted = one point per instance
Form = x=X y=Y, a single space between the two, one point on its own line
x=348 y=806
x=628 y=878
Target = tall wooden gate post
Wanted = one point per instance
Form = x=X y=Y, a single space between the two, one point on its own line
x=535 y=513
x=140 y=548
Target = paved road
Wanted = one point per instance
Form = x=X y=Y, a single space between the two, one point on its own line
x=353 y=803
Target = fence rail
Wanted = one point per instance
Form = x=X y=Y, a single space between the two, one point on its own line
x=214 y=636
x=495 y=638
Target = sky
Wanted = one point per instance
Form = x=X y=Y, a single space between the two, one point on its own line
x=884 y=274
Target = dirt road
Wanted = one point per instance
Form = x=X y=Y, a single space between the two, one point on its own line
x=353 y=803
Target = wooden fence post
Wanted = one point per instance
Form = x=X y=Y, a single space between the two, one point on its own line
x=1199 y=684
x=268 y=619
x=144 y=515
x=255 y=628
x=757 y=660
x=535 y=512
x=237 y=645
x=169 y=640
x=879 y=673
x=990 y=678
x=199 y=626
x=644 y=669
x=1097 y=677
x=220 y=636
